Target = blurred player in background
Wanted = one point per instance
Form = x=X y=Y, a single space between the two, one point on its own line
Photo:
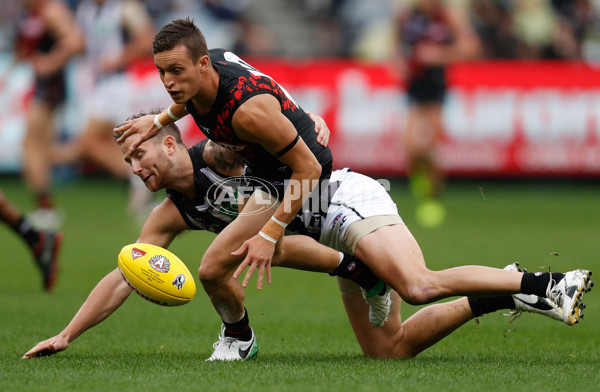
x=118 y=34
x=44 y=245
x=47 y=37
x=430 y=35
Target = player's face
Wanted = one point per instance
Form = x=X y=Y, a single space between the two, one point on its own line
x=181 y=76
x=149 y=162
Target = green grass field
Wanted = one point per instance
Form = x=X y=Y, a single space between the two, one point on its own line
x=305 y=341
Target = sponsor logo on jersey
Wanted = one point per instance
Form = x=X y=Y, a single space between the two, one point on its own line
x=137 y=253
x=160 y=263
x=351 y=266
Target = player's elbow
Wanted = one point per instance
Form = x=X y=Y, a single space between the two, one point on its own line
x=313 y=169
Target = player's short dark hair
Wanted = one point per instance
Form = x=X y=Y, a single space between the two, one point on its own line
x=181 y=31
x=171 y=129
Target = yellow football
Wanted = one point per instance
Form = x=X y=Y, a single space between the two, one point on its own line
x=156 y=274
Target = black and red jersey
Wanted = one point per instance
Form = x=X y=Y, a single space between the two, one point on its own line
x=238 y=81
x=33 y=35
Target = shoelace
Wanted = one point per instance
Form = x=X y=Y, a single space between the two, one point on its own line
x=515 y=315
x=225 y=340
x=554 y=295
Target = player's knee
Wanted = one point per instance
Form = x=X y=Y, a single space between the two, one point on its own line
x=215 y=268
x=87 y=141
x=210 y=275
x=420 y=290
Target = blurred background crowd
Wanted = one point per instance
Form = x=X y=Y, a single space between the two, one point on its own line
x=508 y=29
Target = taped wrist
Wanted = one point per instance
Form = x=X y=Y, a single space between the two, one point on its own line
x=272 y=229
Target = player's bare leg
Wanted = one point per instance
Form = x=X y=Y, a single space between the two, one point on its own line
x=39 y=135
x=422 y=135
x=9 y=214
x=98 y=145
x=393 y=254
x=218 y=265
x=397 y=339
x=236 y=340
x=305 y=253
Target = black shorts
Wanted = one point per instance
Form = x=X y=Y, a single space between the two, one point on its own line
x=51 y=90
x=429 y=86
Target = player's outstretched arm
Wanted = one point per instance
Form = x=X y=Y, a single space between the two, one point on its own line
x=106 y=297
x=161 y=227
x=148 y=126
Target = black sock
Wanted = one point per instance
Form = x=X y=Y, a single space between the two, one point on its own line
x=240 y=329
x=352 y=268
x=482 y=305
x=27 y=232
x=537 y=282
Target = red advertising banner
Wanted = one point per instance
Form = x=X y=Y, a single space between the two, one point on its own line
x=500 y=118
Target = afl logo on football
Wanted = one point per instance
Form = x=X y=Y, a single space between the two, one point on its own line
x=179 y=281
x=160 y=263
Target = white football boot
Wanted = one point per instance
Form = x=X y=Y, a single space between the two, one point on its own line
x=532 y=303
x=564 y=300
x=379 y=306
x=567 y=294
x=232 y=349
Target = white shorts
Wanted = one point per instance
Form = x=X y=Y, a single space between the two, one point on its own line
x=358 y=198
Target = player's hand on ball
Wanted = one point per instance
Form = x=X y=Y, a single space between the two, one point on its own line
x=259 y=255
x=47 y=347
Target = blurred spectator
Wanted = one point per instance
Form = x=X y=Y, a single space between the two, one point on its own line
x=47 y=37
x=493 y=23
x=534 y=26
x=509 y=29
x=218 y=21
x=253 y=39
x=575 y=18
